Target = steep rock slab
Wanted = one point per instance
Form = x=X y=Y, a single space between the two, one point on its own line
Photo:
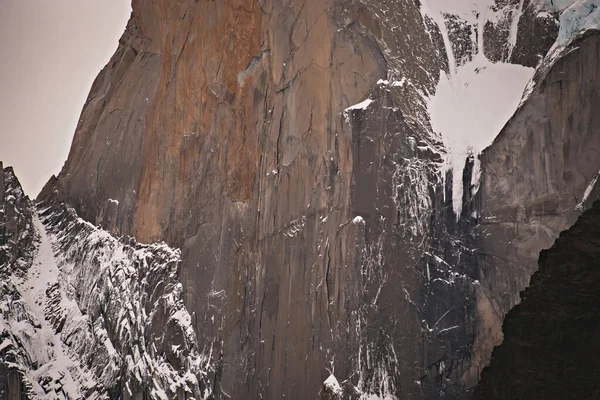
x=550 y=347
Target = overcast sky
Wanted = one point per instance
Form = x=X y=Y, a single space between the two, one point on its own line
x=50 y=53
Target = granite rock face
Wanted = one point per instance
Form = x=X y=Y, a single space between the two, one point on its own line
x=551 y=338
x=286 y=148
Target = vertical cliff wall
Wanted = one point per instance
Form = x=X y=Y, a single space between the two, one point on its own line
x=286 y=148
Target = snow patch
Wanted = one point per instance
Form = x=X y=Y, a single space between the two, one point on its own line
x=474 y=100
x=333 y=385
x=360 y=106
x=587 y=192
x=399 y=83
x=470 y=110
x=358 y=220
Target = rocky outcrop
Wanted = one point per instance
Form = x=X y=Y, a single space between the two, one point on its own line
x=551 y=338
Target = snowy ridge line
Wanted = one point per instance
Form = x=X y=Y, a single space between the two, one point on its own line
x=135 y=331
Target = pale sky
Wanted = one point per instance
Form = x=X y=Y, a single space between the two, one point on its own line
x=50 y=53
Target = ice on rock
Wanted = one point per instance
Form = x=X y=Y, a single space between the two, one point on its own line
x=475 y=99
x=578 y=17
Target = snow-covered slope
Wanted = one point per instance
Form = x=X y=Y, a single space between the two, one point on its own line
x=90 y=316
x=29 y=335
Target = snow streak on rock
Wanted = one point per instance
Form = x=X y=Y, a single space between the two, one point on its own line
x=588 y=191
x=378 y=366
x=412 y=196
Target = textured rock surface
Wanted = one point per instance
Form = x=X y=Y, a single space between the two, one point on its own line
x=286 y=149
x=243 y=157
x=551 y=339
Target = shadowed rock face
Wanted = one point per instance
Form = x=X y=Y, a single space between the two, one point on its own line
x=550 y=343
x=318 y=237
